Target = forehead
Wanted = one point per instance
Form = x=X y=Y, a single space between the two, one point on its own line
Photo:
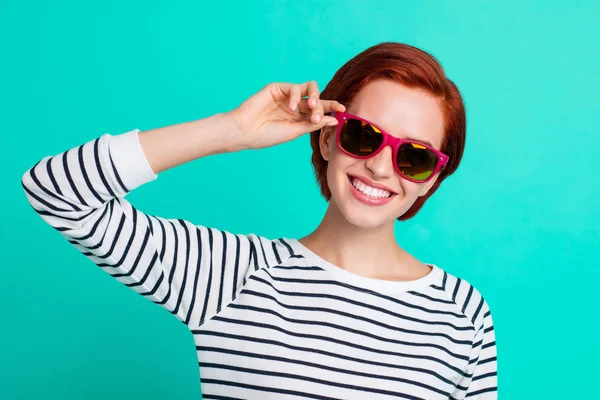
x=401 y=111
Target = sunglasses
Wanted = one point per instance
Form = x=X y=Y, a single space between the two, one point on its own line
x=413 y=160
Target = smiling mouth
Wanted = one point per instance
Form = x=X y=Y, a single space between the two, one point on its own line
x=369 y=191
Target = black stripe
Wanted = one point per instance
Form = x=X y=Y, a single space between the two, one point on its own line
x=140 y=281
x=53 y=180
x=299 y=267
x=488 y=345
x=157 y=284
x=458 y=281
x=253 y=255
x=274 y=245
x=367 y=291
x=466 y=303
x=478 y=310
x=137 y=259
x=265 y=389
x=485 y=390
x=134 y=231
x=70 y=179
x=185 y=269
x=286 y=244
x=108 y=208
x=444 y=281
x=236 y=267
x=487 y=360
x=39 y=184
x=434 y=299
x=333 y=340
x=173 y=265
x=192 y=301
x=307 y=379
x=42 y=201
x=210 y=272
x=99 y=243
x=339 y=355
x=355 y=331
x=356 y=315
x=223 y=267
x=116 y=239
x=114 y=168
x=81 y=218
x=85 y=176
x=99 y=166
x=263 y=251
x=320 y=366
x=483 y=376
x=163 y=247
x=149 y=223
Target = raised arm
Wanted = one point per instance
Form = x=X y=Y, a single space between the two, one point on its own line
x=190 y=270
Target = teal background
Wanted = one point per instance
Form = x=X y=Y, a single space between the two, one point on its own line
x=519 y=220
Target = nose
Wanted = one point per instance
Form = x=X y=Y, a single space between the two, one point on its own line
x=381 y=165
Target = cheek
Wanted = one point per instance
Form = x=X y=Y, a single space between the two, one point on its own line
x=339 y=162
x=337 y=168
x=411 y=189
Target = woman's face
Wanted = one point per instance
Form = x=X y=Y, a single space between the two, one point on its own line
x=403 y=112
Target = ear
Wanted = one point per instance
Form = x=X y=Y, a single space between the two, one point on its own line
x=326 y=140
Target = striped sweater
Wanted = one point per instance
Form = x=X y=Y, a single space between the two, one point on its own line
x=270 y=318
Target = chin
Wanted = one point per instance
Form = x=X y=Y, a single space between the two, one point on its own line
x=365 y=221
x=363 y=216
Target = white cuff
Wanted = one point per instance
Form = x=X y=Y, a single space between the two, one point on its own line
x=129 y=159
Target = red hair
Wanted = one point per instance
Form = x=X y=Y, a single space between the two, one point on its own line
x=413 y=68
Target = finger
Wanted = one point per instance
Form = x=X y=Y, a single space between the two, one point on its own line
x=332 y=105
x=328 y=106
x=310 y=89
x=317 y=112
x=295 y=94
x=305 y=126
x=312 y=93
x=293 y=91
x=313 y=113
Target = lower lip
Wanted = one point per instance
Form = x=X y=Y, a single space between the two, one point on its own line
x=371 y=201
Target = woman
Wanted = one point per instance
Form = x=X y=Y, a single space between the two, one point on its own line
x=343 y=313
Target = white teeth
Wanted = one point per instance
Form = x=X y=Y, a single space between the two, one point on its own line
x=368 y=190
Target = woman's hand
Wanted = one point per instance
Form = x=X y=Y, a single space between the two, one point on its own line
x=281 y=112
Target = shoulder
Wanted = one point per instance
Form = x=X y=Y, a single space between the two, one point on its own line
x=467 y=299
x=269 y=252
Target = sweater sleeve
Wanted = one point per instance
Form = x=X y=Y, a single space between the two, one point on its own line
x=484 y=383
x=192 y=271
x=481 y=379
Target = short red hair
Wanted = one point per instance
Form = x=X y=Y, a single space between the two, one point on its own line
x=413 y=68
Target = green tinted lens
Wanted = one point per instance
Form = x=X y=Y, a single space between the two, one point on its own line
x=360 y=138
x=416 y=161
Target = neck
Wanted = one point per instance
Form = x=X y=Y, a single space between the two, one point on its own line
x=372 y=253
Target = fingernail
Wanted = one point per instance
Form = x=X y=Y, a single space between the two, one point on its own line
x=294 y=105
x=317 y=118
x=332 y=123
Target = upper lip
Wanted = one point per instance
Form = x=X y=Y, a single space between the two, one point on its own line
x=371 y=183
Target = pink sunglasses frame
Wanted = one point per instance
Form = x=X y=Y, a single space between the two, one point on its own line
x=388 y=140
